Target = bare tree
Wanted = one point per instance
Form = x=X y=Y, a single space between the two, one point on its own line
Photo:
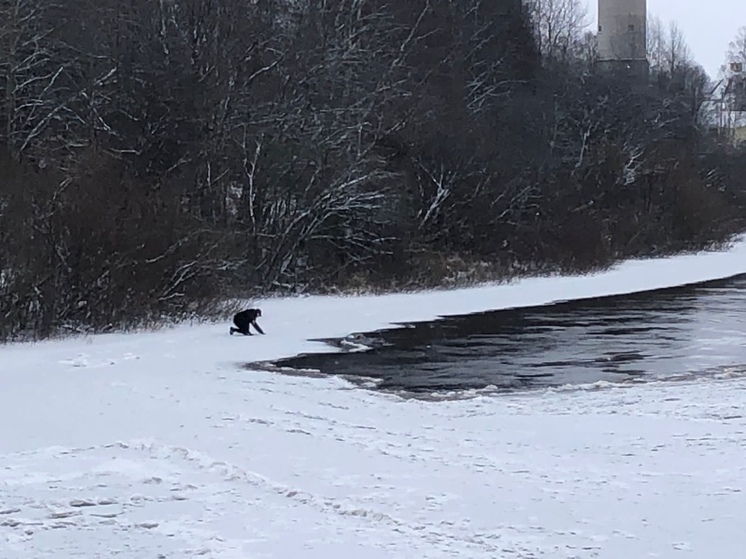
x=158 y=156
x=559 y=26
x=668 y=51
x=737 y=48
x=28 y=70
x=656 y=42
x=588 y=49
x=734 y=75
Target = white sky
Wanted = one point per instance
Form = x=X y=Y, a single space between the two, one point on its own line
x=708 y=25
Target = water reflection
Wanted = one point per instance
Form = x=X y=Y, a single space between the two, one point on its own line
x=655 y=334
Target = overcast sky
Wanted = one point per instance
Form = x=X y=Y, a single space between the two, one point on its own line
x=709 y=25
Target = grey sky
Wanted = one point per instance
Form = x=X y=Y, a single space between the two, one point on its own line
x=708 y=25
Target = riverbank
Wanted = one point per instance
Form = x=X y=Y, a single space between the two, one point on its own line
x=159 y=443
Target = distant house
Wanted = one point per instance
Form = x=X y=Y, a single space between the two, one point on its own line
x=724 y=112
x=739 y=128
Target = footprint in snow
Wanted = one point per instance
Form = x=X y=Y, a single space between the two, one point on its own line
x=80 y=361
x=83 y=361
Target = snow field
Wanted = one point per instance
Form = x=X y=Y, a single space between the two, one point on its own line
x=160 y=445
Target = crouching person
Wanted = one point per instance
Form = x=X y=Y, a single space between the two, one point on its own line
x=244 y=320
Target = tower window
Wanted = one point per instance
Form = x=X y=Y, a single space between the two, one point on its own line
x=630 y=27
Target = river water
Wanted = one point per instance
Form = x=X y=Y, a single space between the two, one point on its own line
x=655 y=335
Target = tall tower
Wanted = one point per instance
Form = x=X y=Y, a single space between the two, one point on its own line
x=622 y=35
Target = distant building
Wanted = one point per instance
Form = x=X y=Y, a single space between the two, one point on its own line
x=724 y=111
x=622 y=36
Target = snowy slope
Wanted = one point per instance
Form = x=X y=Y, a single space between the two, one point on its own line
x=158 y=445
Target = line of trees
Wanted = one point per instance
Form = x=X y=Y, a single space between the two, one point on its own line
x=157 y=157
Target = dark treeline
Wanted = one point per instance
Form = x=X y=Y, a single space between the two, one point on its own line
x=157 y=156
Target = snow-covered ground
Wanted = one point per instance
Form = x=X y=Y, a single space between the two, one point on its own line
x=151 y=445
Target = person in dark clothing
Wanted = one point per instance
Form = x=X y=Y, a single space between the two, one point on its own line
x=244 y=320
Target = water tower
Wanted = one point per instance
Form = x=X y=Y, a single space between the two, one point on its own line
x=622 y=36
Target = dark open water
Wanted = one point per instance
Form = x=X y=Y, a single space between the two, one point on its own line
x=687 y=330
